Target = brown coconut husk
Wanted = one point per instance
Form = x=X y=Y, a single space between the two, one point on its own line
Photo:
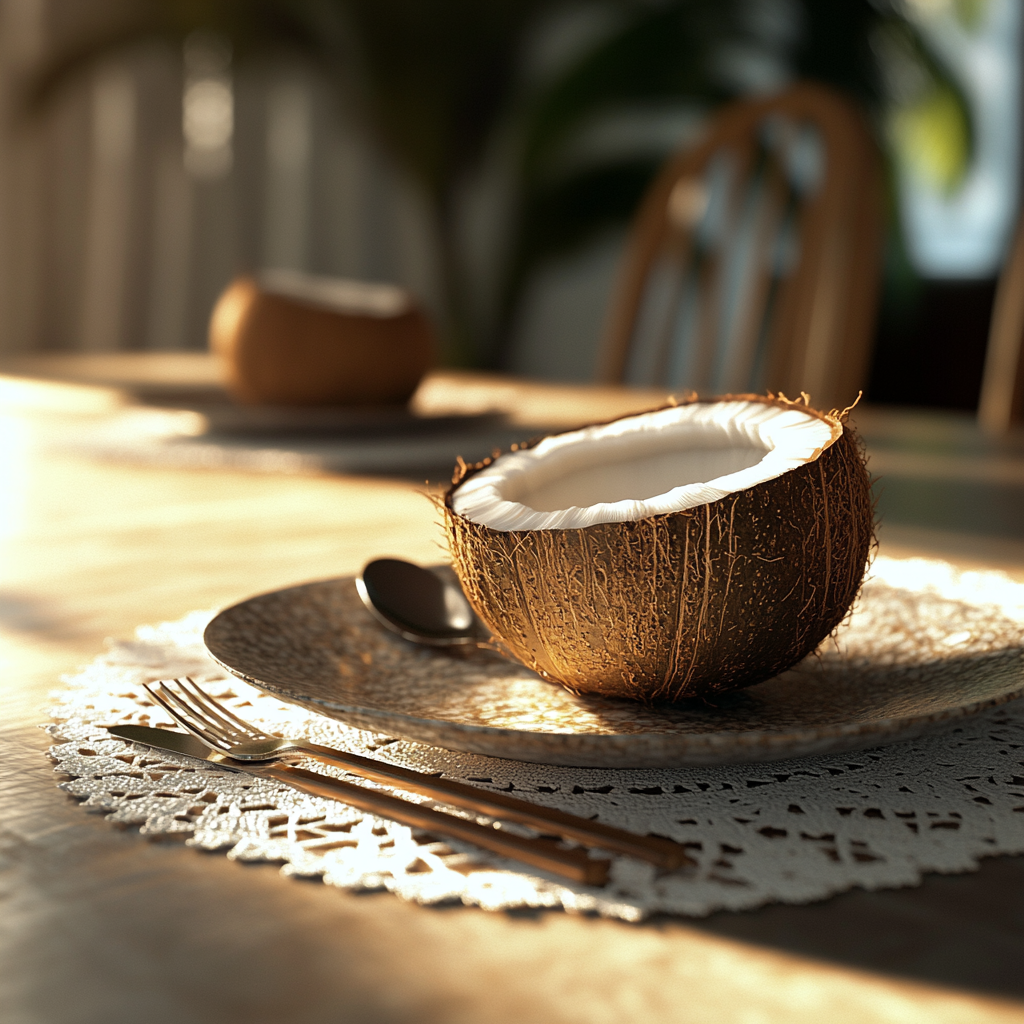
x=687 y=604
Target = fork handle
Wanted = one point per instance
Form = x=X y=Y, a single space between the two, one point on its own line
x=538 y=852
x=663 y=853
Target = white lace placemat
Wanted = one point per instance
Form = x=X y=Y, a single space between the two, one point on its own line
x=793 y=831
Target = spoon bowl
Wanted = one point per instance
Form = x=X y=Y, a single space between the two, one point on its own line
x=419 y=604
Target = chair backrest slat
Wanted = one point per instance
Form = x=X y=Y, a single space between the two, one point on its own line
x=1001 y=404
x=754 y=260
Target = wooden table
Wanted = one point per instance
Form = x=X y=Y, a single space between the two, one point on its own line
x=100 y=925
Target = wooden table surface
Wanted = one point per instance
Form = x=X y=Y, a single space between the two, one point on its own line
x=101 y=925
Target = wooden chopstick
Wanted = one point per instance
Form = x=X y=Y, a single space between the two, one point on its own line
x=538 y=852
x=663 y=853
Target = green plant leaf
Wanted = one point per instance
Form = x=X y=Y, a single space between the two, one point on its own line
x=662 y=53
x=560 y=216
x=929 y=120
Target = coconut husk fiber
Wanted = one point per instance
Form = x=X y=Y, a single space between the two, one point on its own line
x=687 y=604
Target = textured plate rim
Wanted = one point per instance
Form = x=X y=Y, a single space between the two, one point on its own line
x=745 y=747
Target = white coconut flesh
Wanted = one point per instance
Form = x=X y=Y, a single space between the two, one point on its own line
x=645 y=465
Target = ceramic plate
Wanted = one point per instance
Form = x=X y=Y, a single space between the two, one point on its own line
x=309 y=441
x=914 y=654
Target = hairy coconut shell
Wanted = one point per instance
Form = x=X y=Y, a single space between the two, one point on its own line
x=686 y=604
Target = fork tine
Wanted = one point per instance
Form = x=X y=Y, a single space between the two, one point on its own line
x=173 y=701
x=181 y=712
x=221 y=715
x=184 y=716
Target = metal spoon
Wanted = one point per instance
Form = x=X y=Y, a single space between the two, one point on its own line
x=420 y=605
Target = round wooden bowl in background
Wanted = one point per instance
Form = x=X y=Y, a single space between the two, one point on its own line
x=294 y=339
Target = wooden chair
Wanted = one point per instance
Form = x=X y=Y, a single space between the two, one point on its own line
x=754 y=260
x=1001 y=403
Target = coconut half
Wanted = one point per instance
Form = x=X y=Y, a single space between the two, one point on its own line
x=682 y=552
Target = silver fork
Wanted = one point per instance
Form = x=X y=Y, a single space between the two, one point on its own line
x=223 y=731
x=538 y=851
